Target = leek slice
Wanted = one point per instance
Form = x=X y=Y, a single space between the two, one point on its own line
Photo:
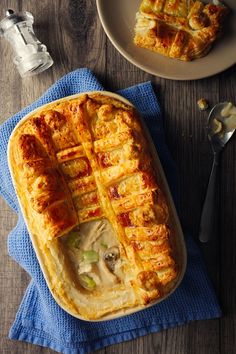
x=104 y=245
x=87 y=282
x=90 y=256
x=73 y=239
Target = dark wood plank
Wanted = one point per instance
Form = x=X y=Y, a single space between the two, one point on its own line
x=227 y=221
x=10 y=274
x=119 y=72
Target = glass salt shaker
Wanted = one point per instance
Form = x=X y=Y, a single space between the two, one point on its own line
x=31 y=56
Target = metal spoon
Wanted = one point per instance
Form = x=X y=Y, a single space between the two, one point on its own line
x=218 y=141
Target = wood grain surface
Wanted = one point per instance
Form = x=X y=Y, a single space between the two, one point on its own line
x=74 y=36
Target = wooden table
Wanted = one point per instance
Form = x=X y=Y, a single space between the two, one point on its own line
x=75 y=38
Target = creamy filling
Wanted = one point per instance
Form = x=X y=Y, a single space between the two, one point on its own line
x=89 y=253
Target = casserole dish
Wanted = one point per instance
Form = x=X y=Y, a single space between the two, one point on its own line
x=97 y=206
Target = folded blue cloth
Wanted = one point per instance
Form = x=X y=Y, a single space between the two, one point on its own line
x=39 y=319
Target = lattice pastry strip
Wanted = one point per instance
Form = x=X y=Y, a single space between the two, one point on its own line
x=46 y=189
x=132 y=191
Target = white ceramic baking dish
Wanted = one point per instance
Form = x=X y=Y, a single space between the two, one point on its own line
x=180 y=249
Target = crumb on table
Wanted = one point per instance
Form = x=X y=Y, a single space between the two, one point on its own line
x=202 y=104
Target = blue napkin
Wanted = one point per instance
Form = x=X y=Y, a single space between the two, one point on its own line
x=39 y=319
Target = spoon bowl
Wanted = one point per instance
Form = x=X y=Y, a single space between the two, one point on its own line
x=217 y=140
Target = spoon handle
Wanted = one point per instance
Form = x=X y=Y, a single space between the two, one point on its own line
x=207 y=217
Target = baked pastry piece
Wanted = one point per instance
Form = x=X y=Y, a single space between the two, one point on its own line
x=181 y=29
x=95 y=207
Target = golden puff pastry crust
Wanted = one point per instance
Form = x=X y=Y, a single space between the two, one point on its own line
x=180 y=29
x=96 y=206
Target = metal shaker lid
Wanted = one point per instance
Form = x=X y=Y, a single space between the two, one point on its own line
x=12 y=18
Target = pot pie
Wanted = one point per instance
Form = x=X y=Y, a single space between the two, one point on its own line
x=105 y=233
x=180 y=29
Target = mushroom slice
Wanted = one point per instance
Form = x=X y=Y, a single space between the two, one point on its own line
x=111 y=255
x=108 y=276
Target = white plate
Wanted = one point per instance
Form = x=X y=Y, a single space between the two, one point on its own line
x=118 y=20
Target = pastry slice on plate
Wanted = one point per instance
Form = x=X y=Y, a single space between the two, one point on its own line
x=181 y=29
